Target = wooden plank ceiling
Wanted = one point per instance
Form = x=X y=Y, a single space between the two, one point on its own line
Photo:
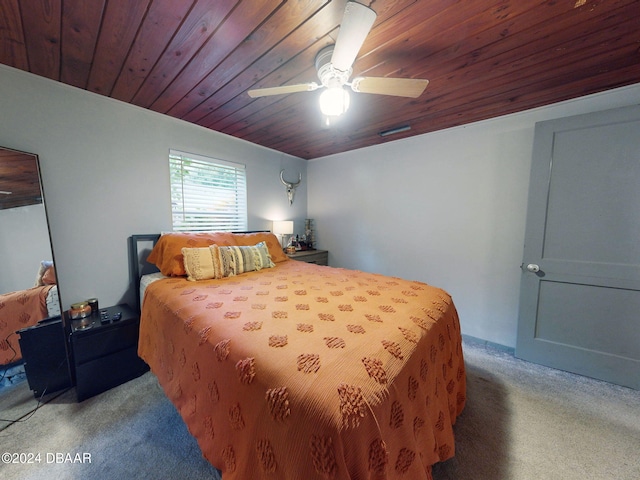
x=19 y=179
x=196 y=59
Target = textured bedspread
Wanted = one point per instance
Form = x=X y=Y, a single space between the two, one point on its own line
x=309 y=372
x=19 y=310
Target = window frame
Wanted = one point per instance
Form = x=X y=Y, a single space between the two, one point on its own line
x=222 y=182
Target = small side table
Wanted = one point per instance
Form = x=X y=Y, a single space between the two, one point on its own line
x=105 y=350
x=319 y=257
x=45 y=356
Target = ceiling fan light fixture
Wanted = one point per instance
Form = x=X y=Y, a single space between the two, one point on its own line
x=334 y=66
x=334 y=101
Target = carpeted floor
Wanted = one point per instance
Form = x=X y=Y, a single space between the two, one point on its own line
x=524 y=422
x=521 y=422
x=129 y=432
x=17 y=402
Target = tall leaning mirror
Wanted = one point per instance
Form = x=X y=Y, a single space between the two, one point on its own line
x=28 y=285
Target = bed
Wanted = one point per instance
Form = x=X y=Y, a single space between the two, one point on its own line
x=24 y=308
x=292 y=370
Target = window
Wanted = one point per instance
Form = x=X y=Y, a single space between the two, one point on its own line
x=207 y=194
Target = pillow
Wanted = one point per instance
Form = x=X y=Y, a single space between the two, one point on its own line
x=273 y=244
x=44 y=266
x=49 y=277
x=167 y=253
x=245 y=258
x=202 y=263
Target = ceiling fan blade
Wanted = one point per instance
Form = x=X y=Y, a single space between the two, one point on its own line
x=356 y=24
x=301 y=87
x=398 y=87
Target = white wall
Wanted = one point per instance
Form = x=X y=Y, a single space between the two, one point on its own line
x=105 y=176
x=447 y=208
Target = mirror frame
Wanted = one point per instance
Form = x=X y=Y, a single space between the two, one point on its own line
x=31 y=194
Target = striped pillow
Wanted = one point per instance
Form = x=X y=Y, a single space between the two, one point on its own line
x=214 y=261
x=240 y=259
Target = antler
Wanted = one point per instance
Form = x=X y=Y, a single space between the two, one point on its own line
x=291 y=187
x=289 y=184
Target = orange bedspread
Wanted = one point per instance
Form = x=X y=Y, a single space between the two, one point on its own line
x=19 y=310
x=309 y=372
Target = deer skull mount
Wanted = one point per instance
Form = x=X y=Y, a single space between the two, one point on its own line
x=290 y=187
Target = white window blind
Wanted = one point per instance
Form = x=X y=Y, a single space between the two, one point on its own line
x=207 y=194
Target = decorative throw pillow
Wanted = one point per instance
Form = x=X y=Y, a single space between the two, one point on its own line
x=199 y=263
x=222 y=262
x=241 y=259
x=214 y=261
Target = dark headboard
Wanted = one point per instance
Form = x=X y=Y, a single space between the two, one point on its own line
x=140 y=247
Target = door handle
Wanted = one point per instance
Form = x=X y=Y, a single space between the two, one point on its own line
x=532 y=267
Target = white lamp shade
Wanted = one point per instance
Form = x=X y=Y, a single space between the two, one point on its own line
x=284 y=227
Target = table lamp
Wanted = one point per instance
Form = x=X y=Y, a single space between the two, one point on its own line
x=282 y=228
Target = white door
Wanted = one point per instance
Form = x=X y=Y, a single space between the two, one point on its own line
x=580 y=287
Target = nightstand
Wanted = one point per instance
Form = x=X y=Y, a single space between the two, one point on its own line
x=105 y=350
x=45 y=356
x=319 y=257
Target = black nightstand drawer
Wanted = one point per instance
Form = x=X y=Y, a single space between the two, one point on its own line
x=104 y=373
x=102 y=342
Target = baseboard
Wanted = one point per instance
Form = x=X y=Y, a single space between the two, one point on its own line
x=487 y=343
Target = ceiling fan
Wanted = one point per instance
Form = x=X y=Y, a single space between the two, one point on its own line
x=333 y=64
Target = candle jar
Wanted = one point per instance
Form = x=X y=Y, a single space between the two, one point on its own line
x=93 y=303
x=79 y=310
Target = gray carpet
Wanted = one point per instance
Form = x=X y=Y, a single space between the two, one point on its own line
x=521 y=422
x=130 y=432
x=17 y=402
x=524 y=422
